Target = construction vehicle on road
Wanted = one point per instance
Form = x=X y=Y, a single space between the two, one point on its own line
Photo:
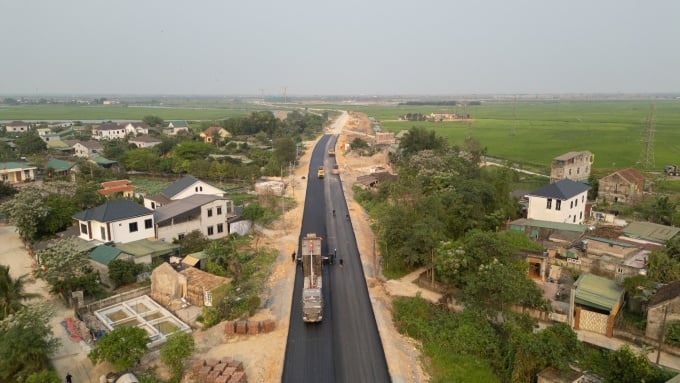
x=320 y=172
x=671 y=170
x=312 y=297
x=331 y=153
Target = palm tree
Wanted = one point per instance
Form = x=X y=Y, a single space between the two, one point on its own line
x=12 y=293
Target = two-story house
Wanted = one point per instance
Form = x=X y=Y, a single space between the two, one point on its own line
x=575 y=166
x=622 y=186
x=119 y=221
x=17 y=127
x=205 y=213
x=563 y=201
x=182 y=188
x=136 y=128
x=108 y=132
x=87 y=149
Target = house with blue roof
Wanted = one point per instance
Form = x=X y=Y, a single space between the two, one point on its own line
x=119 y=221
x=563 y=201
x=182 y=188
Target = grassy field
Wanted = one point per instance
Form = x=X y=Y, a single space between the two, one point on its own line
x=120 y=112
x=532 y=133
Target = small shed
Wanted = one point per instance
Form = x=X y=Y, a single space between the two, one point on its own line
x=198 y=260
x=664 y=306
x=594 y=303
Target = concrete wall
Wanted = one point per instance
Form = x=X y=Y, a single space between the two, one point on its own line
x=571 y=210
x=591 y=321
x=655 y=316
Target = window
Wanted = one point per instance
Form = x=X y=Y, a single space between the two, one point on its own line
x=148 y=223
x=200 y=188
x=571 y=204
x=576 y=202
x=210 y=230
x=574 y=218
x=209 y=212
x=558 y=204
x=583 y=198
x=219 y=210
x=220 y=227
x=153 y=206
x=83 y=228
x=549 y=205
x=133 y=227
x=569 y=171
x=180 y=237
x=580 y=215
x=196 y=189
x=578 y=170
x=102 y=231
x=5 y=178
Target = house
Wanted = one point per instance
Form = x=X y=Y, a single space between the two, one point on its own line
x=101 y=256
x=385 y=138
x=205 y=213
x=87 y=149
x=104 y=162
x=118 y=221
x=17 y=127
x=59 y=168
x=575 y=166
x=136 y=128
x=184 y=187
x=373 y=180
x=148 y=251
x=117 y=188
x=594 y=303
x=213 y=134
x=170 y=286
x=622 y=186
x=663 y=307
x=562 y=201
x=108 y=132
x=649 y=233
x=175 y=127
x=16 y=172
x=144 y=141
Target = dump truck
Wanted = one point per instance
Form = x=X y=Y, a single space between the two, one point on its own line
x=312 y=297
x=671 y=170
x=331 y=152
x=335 y=169
x=320 y=172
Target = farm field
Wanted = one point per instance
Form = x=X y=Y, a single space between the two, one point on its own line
x=532 y=133
x=121 y=112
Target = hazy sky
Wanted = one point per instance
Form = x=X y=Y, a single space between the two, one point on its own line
x=316 y=47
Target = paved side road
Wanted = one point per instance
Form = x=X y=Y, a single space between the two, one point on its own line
x=71 y=357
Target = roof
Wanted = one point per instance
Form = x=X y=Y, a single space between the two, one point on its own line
x=17 y=123
x=99 y=160
x=91 y=144
x=665 y=293
x=146 y=139
x=184 y=205
x=113 y=211
x=199 y=278
x=179 y=185
x=15 y=165
x=613 y=242
x=631 y=175
x=549 y=225
x=213 y=130
x=147 y=247
x=178 y=124
x=189 y=260
x=59 y=165
x=562 y=189
x=104 y=254
x=570 y=155
x=108 y=127
x=652 y=232
x=597 y=292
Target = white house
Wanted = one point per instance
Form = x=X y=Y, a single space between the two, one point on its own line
x=136 y=128
x=16 y=172
x=119 y=221
x=185 y=187
x=108 y=132
x=87 y=149
x=17 y=127
x=205 y=213
x=563 y=201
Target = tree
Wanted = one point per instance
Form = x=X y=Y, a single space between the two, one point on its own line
x=44 y=376
x=178 y=347
x=30 y=143
x=193 y=241
x=26 y=343
x=12 y=293
x=123 y=272
x=254 y=212
x=285 y=150
x=65 y=268
x=419 y=138
x=627 y=367
x=26 y=210
x=122 y=347
x=152 y=120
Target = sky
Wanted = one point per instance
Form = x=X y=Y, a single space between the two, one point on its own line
x=349 y=47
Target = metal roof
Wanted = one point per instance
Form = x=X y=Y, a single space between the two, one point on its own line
x=549 y=225
x=179 y=185
x=113 y=211
x=182 y=206
x=104 y=254
x=15 y=165
x=650 y=231
x=147 y=247
x=562 y=189
x=597 y=292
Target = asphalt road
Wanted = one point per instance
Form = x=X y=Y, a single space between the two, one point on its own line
x=345 y=346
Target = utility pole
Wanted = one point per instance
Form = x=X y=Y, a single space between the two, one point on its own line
x=647 y=155
x=285 y=98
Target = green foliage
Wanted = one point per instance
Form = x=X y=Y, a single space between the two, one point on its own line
x=122 y=347
x=30 y=143
x=672 y=335
x=44 y=376
x=124 y=272
x=254 y=212
x=153 y=120
x=418 y=139
x=358 y=143
x=67 y=269
x=625 y=366
x=177 y=348
x=12 y=294
x=193 y=242
x=26 y=343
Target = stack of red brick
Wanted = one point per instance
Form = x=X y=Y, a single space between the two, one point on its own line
x=225 y=370
x=249 y=327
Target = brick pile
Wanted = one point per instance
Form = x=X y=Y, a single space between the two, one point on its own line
x=225 y=370
x=250 y=327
